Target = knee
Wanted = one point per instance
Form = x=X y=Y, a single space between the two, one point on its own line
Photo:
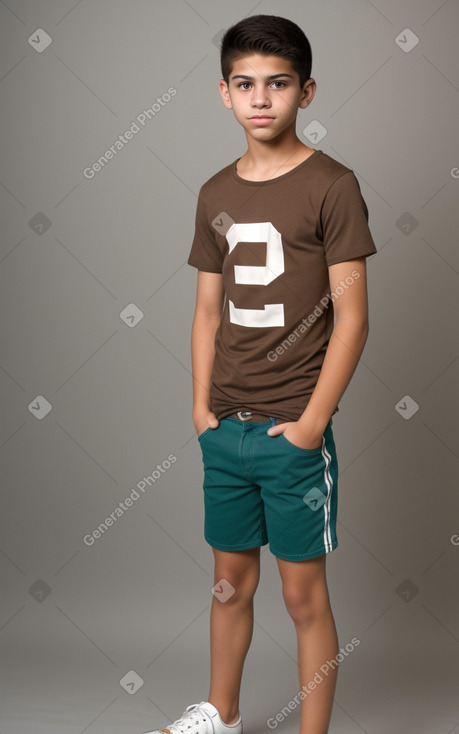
x=304 y=606
x=234 y=587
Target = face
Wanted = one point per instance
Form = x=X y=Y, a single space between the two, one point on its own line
x=264 y=93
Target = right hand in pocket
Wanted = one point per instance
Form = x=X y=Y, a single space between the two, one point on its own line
x=204 y=419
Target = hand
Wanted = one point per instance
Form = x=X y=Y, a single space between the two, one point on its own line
x=204 y=419
x=297 y=435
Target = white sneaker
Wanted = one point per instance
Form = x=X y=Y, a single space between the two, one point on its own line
x=200 y=718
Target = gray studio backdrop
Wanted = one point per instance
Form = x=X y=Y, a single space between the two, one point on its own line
x=106 y=631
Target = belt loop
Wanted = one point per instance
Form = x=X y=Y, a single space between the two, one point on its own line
x=272 y=421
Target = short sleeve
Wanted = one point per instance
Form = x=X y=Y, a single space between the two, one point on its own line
x=344 y=218
x=205 y=254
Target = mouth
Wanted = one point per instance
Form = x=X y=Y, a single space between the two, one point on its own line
x=261 y=119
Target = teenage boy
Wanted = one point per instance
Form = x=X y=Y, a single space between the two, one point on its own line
x=280 y=323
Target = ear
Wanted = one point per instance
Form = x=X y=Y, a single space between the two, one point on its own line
x=307 y=93
x=225 y=95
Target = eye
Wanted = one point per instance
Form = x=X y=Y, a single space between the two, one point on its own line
x=244 y=85
x=278 y=84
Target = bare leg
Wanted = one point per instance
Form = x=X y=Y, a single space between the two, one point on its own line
x=231 y=628
x=306 y=598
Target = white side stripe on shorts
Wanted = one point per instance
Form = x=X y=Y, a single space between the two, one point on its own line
x=329 y=484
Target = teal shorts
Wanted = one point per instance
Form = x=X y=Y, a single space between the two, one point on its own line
x=261 y=489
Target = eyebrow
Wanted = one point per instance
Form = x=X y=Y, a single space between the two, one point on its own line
x=269 y=78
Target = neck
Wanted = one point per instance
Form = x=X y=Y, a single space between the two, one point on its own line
x=263 y=154
x=267 y=159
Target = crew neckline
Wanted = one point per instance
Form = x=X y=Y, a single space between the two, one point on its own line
x=283 y=176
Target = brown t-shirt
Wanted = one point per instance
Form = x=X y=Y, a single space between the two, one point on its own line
x=273 y=242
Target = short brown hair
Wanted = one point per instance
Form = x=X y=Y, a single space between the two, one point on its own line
x=270 y=35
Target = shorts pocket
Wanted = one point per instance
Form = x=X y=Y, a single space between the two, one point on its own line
x=206 y=432
x=299 y=449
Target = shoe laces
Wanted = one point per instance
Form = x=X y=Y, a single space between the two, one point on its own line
x=193 y=715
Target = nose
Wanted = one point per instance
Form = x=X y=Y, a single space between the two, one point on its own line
x=260 y=96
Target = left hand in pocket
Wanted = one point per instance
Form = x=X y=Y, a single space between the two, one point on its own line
x=297 y=435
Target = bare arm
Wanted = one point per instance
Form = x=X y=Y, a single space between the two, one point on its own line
x=207 y=315
x=343 y=353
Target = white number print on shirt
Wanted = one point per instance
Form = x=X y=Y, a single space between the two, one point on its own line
x=272 y=314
